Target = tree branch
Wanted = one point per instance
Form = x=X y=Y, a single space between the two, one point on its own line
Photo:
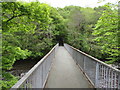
x=15 y=17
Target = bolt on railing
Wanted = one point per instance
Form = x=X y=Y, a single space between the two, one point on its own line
x=37 y=76
x=100 y=75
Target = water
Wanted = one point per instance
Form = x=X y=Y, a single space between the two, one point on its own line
x=21 y=67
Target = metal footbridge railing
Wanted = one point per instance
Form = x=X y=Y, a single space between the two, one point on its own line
x=99 y=74
x=37 y=76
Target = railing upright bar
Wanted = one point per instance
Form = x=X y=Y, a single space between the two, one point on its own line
x=104 y=77
x=39 y=71
x=83 y=63
x=115 y=80
x=112 y=80
x=118 y=81
x=97 y=75
x=107 y=76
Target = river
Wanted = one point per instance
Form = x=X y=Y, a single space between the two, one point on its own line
x=21 y=67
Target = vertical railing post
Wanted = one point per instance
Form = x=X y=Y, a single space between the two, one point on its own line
x=107 y=77
x=118 y=80
x=84 y=63
x=54 y=52
x=104 y=75
x=115 y=75
x=97 y=75
x=111 y=79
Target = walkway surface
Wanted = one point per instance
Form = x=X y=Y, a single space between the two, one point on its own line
x=65 y=73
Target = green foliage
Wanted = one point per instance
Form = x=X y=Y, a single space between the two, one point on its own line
x=11 y=54
x=110 y=61
x=79 y=23
x=94 y=31
x=106 y=32
x=31 y=29
x=8 y=80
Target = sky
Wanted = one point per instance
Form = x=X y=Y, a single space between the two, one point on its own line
x=82 y=3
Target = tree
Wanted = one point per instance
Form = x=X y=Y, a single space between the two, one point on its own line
x=106 y=32
x=29 y=31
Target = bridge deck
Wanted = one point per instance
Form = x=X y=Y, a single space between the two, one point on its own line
x=65 y=73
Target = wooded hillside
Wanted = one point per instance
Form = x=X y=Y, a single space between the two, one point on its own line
x=30 y=30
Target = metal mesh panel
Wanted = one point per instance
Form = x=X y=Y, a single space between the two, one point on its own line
x=74 y=55
x=44 y=72
x=37 y=76
x=77 y=57
x=90 y=68
x=101 y=75
x=70 y=50
x=81 y=60
x=39 y=79
x=108 y=78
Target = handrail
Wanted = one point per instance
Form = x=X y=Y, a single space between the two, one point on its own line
x=95 y=59
x=25 y=80
x=100 y=74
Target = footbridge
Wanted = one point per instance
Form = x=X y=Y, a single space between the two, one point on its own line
x=68 y=67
